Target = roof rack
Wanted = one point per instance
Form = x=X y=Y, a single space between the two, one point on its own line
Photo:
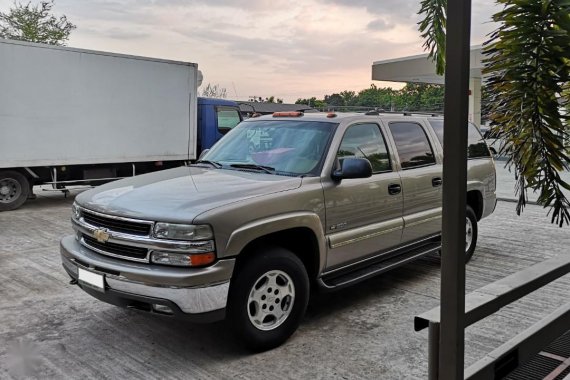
x=379 y=111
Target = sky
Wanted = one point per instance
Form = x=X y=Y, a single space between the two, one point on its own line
x=262 y=48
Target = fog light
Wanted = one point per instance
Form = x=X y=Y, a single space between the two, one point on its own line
x=182 y=259
x=162 y=309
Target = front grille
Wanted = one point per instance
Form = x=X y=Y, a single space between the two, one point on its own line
x=119 y=225
x=126 y=251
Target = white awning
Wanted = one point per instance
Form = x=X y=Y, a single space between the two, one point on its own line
x=420 y=69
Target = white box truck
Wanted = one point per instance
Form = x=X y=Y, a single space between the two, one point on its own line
x=73 y=116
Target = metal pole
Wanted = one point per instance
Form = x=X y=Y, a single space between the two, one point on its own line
x=452 y=333
x=433 y=351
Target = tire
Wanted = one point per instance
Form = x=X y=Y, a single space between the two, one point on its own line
x=471 y=232
x=268 y=298
x=14 y=190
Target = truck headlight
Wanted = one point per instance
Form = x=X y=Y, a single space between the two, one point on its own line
x=182 y=231
x=75 y=211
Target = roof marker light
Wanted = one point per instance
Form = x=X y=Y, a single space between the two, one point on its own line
x=288 y=114
x=331 y=115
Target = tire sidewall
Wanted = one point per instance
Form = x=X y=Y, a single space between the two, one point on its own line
x=469 y=213
x=247 y=275
x=25 y=189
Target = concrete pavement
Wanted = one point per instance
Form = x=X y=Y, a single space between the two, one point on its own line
x=53 y=330
x=506 y=184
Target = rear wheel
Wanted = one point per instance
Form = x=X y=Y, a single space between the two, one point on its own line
x=268 y=298
x=14 y=190
x=471 y=231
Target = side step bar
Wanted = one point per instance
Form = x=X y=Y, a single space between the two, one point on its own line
x=359 y=273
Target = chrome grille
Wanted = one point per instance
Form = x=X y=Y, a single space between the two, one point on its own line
x=113 y=249
x=117 y=224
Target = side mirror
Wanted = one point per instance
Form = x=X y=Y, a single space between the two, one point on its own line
x=353 y=167
x=203 y=153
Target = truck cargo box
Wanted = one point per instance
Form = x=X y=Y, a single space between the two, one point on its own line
x=64 y=106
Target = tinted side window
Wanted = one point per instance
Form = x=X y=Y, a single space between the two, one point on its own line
x=413 y=145
x=227 y=118
x=476 y=146
x=366 y=141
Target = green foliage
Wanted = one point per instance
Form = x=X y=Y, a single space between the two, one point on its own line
x=528 y=63
x=420 y=97
x=413 y=97
x=35 y=23
x=432 y=29
x=270 y=99
x=312 y=102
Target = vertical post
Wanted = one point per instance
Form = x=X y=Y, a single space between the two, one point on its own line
x=433 y=351
x=452 y=333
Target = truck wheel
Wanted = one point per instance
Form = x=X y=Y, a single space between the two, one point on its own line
x=470 y=233
x=268 y=298
x=14 y=190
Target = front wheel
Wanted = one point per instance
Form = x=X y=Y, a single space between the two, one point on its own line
x=268 y=298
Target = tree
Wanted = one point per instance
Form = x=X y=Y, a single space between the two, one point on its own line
x=35 y=23
x=214 y=91
x=335 y=100
x=269 y=99
x=528 y=64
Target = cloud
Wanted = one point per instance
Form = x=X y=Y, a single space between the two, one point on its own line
x=264 y=47
x=394 y=9
x=379 y=25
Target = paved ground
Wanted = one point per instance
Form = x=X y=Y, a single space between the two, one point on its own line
x=506 y=183
x=49 y=329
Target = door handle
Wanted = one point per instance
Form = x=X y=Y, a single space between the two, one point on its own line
x=394 y=189
x=436 y=181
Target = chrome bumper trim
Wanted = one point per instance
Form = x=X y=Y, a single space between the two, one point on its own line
x=194 y=291
x=189 y=300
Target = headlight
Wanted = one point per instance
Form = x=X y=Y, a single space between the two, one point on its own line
x=182 y=231
x=75 y=211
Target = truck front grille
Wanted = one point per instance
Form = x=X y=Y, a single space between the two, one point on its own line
x=117 y=224
x=114 y=249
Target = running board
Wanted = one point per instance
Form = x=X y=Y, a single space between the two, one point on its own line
x=358 y=273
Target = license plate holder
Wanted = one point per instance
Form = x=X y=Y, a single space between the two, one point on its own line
x=91 y=279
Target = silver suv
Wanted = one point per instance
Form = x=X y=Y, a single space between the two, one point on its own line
x=281 y=204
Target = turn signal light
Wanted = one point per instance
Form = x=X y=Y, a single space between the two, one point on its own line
x=182 y=259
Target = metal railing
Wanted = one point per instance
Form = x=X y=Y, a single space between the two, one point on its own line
x=491 y=298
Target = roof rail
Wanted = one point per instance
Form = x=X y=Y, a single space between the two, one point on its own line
x=378 y=111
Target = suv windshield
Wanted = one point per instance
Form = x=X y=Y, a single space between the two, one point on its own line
x=274 y=146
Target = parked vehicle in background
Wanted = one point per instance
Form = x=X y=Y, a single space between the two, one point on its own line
x=280 y=204
x=71 y=116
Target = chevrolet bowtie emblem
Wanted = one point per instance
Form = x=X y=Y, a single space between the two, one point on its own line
x=102 y=235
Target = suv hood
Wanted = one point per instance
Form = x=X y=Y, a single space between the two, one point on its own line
x=180 y=194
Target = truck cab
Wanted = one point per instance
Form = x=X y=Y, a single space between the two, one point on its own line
x=216 y=117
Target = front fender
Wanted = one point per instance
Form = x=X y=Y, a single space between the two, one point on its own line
x=251 y=231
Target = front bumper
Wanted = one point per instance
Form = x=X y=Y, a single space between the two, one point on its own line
x=193 y=293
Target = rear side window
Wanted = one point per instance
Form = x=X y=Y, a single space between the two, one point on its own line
x=228 y=118
x=412 y=144
x=366 y=141
x=476 y=146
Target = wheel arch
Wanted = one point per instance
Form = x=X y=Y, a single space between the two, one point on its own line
x=299 y=233
x=475 y=201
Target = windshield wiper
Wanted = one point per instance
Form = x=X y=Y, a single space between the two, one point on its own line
x=215 y=164
x=266 y=169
